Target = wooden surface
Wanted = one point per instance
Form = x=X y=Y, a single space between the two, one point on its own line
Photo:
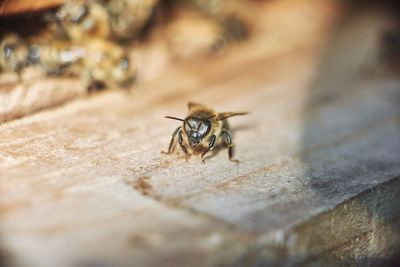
x=21 y=99
x=85 y=184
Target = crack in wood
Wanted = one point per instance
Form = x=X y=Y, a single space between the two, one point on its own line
x=142 y=185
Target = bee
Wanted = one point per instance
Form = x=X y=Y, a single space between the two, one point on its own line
x=117 y=19
x=203 y=130
x=99 y=63
x=14 y=54
x=55 y=59
x=107 y=64
x=129 y=18
x=79 y=19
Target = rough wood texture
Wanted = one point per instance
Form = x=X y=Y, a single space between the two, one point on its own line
x=86 y=185
x=20 y=99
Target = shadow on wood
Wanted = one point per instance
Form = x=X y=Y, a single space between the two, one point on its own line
x=351 y=143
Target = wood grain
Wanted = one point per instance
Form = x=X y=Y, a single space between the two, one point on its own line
x=86 y=185
x=23 y=98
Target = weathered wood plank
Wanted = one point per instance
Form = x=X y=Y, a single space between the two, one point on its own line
x=85 y=184
x=20 y=99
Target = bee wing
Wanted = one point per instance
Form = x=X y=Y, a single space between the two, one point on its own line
x=225 y=115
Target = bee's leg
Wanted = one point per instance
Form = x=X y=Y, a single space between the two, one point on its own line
x=210 y=147
x=171 y=147
x=180 y=141
x=228 y=140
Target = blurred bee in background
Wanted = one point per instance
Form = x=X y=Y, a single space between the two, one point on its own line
x=14 y=54
x=190 y=33
x=224 y=12
x=93 y=21
x=231 y=30
x=129 y=18
x=79 y=20
x=203 y=130
x=57 y=58
x=117 y=19
x=107 y=64
x=87 y=51
x=84 y=38
x=75 y=44
x=99 y=64
x=216 y=21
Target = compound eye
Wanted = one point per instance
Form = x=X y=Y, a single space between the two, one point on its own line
x=203 y=129
x=191 y=124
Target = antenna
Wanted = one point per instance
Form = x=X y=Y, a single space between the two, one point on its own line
x=174 y=118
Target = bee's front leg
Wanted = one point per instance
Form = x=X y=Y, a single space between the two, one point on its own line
x=209 y=148
x=171 y=143
x=180 y=141
x=228 y=140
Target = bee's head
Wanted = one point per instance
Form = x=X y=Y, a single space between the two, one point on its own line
x=196 y=129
